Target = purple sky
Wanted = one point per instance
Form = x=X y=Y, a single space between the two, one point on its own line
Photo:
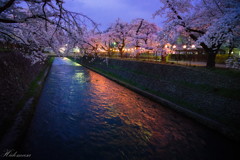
x=106 y=12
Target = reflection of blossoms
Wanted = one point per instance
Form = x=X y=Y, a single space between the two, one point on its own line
x=233 y=62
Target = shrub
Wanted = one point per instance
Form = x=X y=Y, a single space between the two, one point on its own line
x=221 y=58
x=233 y=62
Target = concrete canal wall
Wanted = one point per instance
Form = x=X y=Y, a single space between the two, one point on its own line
x=197 y=93
x=20 y=86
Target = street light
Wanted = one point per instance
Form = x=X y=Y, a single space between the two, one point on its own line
x=193 y=46
x=184 y=46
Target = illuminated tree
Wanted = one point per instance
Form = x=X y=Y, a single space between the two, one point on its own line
x=91 y=42
x=107 y=42
x=33 y=25
x=210 y=23
x=144 y=32
x=121 y=33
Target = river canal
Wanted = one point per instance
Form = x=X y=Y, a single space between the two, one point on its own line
x=83 y=115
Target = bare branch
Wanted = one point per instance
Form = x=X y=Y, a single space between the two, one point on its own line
x=7 y=5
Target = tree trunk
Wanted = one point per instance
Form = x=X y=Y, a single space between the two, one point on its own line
x=230 y=51
x=121 y=53
x=211 y=54
x=211 y=59
x=163 y=59
x=95 y=53
x=108 y=52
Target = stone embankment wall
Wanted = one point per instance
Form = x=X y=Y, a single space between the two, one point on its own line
x=191 y=88
x=16 y=74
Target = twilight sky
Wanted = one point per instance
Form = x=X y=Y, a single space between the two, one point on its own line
x=105 y=12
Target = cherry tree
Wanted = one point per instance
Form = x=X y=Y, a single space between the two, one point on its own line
x=99 y=42
x=210 y=23
x=144 y=35
x=233 y=42
x=121 y=32
x=145 y=32
x=41 y=23
x=91 y=42
x=107 y=41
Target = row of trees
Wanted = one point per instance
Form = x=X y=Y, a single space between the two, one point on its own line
x=35 y=24
x=138 y=33
x=210 y=24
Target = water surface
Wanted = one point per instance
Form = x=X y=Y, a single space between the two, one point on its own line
x=83 y=115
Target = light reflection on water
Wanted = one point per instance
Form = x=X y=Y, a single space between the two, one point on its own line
x=83 y=115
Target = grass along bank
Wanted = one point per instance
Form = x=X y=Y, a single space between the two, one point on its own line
x=13 y=131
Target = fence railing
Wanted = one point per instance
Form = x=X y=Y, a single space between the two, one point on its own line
x=188 y=57
x=220 y=58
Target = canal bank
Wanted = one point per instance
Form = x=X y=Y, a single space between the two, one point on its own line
x=15 y=122
x=199 y=94
x=80 y=112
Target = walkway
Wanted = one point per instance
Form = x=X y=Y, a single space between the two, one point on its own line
x=190 y=63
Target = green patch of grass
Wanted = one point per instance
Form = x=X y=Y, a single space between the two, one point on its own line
x=224 y=92
x=230 y=73
x=185 y=104
x=175 y=100
x=116 y=67
x=227 y=72
x=35 y=84
x=134 y=71
x=229 y=93
x=50 y=61
x=5 y=50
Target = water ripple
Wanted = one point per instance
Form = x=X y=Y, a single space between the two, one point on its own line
x=82 y=115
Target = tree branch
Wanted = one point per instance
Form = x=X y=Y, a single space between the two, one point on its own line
x=12 y=37
x=139 y=27
x=7 y=5
x=194 y=30
x=8 y=21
